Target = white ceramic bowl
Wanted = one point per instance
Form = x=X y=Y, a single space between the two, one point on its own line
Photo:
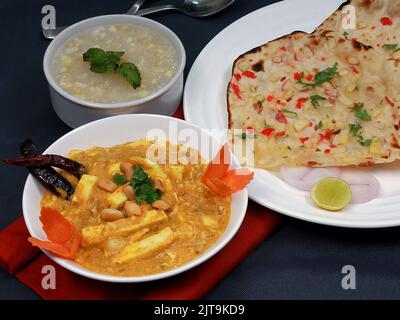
x=116 y=130
x=75 y=111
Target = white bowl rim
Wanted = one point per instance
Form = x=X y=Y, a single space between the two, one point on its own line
x=119 y=279
x=70 y=31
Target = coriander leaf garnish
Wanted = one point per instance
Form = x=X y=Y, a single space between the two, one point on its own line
x=93 y=53
x=365 y=143
x=115 y=56
x=363 y=115
x=315 y=99
x=326 y=75
x=346 y=35
x=105 y=61
x=355 y=131
x=319 y=125
x=119 y=179
x=390 y=46
x=244 y=136
x=131 y=73
x=360 y=113
x=101 y=65
x=322 y=77
x=144 y=186
x=102 y=61
x=289 y=113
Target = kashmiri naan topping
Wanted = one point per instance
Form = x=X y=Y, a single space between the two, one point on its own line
x=318 y=99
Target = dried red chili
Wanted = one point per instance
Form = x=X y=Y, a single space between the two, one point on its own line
x=280 y=117
x=390 y=102
x=236 y=90
x=267 y=132
x=309 y=77
x=300 y=102
x=249 y=74
x=386 y=21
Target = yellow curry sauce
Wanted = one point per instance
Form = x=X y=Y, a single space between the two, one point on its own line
x=154 y=241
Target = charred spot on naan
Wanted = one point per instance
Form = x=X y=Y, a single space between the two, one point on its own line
x=259 y=66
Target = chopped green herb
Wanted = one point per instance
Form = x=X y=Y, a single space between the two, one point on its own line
x=319 y=125
x=290 y=114
x=363 y=115
x=315 y=99
x=144 y=186
x=244 y=136
x=390 y=46
x=355 y=131
x=119 y=179
x=102 y=61
x=358 y=106
x=322 y=76
x=346 y=35
x=360 y=113
x=105 y=61
x=365 y=143
x=115 y=56
x=131 y=73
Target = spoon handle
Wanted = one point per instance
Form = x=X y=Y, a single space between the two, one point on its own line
x=132 y=10
x=147 y=11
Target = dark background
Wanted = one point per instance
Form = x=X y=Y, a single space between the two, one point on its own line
x=299 y=261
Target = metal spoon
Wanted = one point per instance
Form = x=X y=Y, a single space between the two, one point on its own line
x=52 y=33
x=193 y=8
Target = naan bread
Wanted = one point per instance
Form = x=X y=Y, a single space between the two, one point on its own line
x=350 y=116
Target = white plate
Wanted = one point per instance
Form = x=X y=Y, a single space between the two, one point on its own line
x=116 y=130
x=205 y=105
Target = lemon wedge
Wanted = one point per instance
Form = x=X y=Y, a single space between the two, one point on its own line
x=331 y=194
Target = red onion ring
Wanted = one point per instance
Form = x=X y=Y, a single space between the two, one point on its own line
x=364 y=186
x=305 y=178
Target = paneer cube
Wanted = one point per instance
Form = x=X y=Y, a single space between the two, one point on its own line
x=209 y=221
x=122 y=227
x=113 y=169
x=117 y=199
x=177 y=172
x=148 y=246
x=376 y=147
x=84 y=189
x=344 y=137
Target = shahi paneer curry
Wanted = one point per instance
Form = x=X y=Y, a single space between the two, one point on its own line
x=138 y=217
x=134 y=209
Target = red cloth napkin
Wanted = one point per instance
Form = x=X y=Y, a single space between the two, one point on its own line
x=18 y=257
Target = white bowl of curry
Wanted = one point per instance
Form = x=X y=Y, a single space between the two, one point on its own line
x=179 y=228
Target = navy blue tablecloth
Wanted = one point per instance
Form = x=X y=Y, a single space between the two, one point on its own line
x=300 y=261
